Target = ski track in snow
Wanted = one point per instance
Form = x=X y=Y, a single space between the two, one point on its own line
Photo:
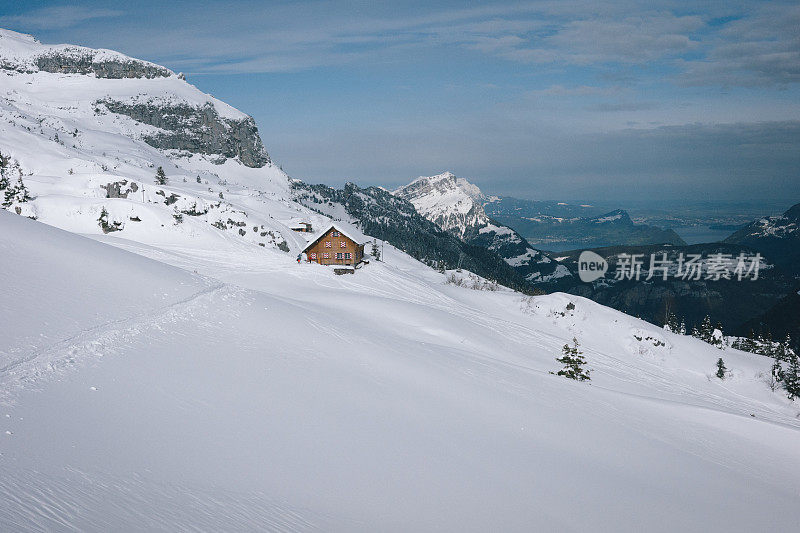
x=97 y=341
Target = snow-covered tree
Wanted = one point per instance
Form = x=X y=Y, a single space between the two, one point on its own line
x=721 y=370
x=161 y=177
x=376 y=251
x=791 y=378
x=4 y=164
x=104 y=223
x=706 y=332
x=17 y=193
x=8 y=196
x=672 y=323
x=776 y=374
x=573 y=361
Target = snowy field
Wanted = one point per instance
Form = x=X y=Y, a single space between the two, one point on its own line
x=142 y=397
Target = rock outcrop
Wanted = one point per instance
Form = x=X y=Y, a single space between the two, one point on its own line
x=84 y=61
x=196 y=129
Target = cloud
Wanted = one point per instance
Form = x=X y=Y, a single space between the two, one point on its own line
x=760 y=50
x=623 y=106
x=581 y=90
x=632 y=39
x=755 y=47
x=56 y=17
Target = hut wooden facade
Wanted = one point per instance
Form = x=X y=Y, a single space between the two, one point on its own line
x=333 y=246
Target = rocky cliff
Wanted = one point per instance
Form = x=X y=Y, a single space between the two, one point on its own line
x=195 y=128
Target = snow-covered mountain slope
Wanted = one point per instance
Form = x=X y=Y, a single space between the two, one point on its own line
x=268 y=395
x=85 y=138
x=456 y=206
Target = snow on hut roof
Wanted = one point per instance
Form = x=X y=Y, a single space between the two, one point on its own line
x=348 y=230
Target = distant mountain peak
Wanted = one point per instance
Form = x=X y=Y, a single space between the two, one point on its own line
x=456 y=206
x=453 y=203
x=617 y=216
x=793 y=213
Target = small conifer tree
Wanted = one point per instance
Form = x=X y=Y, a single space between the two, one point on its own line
x=721 y=370
x=707 y=330
x=791 y=378
x=4 y=162
x=672 y=323
x=776 y=372
x=161 y=177
x=8 y=197
x=376 y=251
x=573 y=361
x=21 y=192
x=104 y=224
x=102 y=221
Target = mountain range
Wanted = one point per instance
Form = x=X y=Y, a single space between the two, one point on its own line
x=564 y=226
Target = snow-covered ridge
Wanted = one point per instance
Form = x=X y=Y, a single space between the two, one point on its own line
x=23 y=53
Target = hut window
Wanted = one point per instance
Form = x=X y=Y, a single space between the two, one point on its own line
x=338 y=256
x=327 y=244
x=334 y=234
x=347 y=255
x=326 y=255
x=313 y=255
x=343 y=244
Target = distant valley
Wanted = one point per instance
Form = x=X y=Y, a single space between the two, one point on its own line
x=556 y=226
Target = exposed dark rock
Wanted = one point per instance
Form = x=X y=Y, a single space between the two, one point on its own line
x=119 y=189
x=195 y=129
x=79 y=61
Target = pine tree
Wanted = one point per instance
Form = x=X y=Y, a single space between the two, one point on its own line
x=4 y=161
x=376 y=251
x=102 y=221
x=767 y=346
x=777 y=372
x=573 y=361
x=161 y=177
x=21 y=192
x=707 y=330
x=107 y=227
x=721 y=368
x=10 y=196
x=672 y=323
x=786 y=346
x=791 y=378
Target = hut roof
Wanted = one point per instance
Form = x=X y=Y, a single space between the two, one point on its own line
x=348 y=230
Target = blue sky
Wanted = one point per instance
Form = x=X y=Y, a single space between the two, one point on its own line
x=603 y=101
